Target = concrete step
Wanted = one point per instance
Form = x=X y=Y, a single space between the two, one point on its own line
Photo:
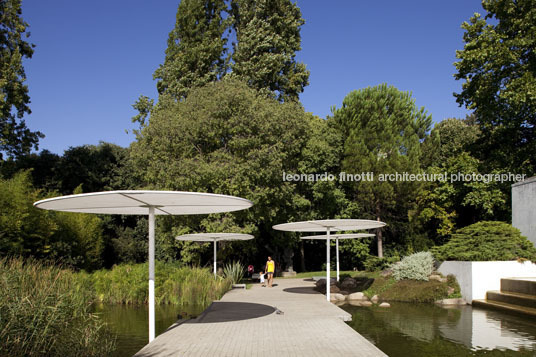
x=504 y=306
x=519 y=285
x=512 y=298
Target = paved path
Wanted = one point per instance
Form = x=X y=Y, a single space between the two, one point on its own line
x=246 y=323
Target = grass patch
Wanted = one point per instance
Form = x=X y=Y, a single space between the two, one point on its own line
x=45 y=311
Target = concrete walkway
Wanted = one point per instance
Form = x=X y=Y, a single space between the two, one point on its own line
x=247 y=323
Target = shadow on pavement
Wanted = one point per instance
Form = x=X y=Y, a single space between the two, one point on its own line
x=301 y=290
x=224 y=311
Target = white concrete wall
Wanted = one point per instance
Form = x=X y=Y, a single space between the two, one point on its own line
x=476 y=278
x=524 y=208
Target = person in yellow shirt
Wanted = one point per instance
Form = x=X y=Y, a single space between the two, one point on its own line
x=270 y=271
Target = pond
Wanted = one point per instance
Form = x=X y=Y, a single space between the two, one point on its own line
x=130 y=323
x=428 y=330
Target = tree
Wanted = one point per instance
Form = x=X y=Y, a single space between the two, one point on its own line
x=382 y=129
x=225 y=138
x=498 y=66
x=15 y=137
x=268 y=37
x=196 y=48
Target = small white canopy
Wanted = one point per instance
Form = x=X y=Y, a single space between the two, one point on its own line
x=214 y=237
x=329 y=225
x=149 y=203
x=337 y=237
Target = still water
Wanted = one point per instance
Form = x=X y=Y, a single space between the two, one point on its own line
x=130 y=323
x=427 y=330
x=403 y=330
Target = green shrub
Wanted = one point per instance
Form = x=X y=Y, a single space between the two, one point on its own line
x=45 y=311
x=234 y=272
x=374 y=263
x=486 y=241
x=416 y=266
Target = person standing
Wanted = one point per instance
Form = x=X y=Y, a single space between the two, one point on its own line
x=270 y=270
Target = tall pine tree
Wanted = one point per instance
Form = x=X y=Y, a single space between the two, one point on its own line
x=196 y=48
x=268 y=37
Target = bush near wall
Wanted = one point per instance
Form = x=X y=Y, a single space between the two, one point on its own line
x=416 y=266
x=486 y=241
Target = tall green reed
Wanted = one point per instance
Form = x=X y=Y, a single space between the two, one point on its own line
x=234 y=271
x=45 y=311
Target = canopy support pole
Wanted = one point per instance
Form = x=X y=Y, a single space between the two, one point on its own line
x=215 y=248
x=151 y=274
x=328 y=280
x=337 y=250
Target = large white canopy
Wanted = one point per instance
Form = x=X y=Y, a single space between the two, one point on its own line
x=328 y=226
x=334 y=225
x=137 y=202
x=214 y=237
x=340 y=236
x=149 y=203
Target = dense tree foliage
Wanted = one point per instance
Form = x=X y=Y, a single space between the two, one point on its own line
x=15 y=137
x=383 y=130
x=498 y=66
x=486 y=241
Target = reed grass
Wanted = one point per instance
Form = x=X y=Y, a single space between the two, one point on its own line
x=234 y=272
x=45 y=311
x=128 y=284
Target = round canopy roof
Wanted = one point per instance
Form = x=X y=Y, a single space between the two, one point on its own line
x=138 y=202
x=340 y=236
x=334 y=225
x=214 y=237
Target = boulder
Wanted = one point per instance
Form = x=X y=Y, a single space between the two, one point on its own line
x=355 y=303
x=337 y=297
x=365 y=303
x=334 y=289
x=375 y=299
x=348 y=284
x=384 y=304
x=363 y=283
x=386 y=273
x=357 y=296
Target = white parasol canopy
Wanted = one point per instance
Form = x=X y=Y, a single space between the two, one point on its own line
x=337 y=237
x=151 y=203
x=329 y=225
x=214 y=237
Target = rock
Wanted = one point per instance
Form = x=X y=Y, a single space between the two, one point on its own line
x=365 y=303
x=434 y=277
x=456 y=301
x=375 y=299
x=339 y=303
x=450 y=290
x=334 y=289
x=344 y=292
x=337 y=297
x=363 y=283
x=348 y=284
x=357 y=296
x=386 y=273
x=384 y=304
x=321 y=284
x=443 y=280
x=355 y=303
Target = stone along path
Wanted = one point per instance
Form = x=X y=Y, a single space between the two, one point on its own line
x=290 y=319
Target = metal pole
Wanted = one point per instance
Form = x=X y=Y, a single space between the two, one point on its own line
x=328 y=279
x=215 y=257
x=337 y=249
x=151 y=274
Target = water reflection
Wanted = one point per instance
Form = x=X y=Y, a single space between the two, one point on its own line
x=130 y=323
x=428 y=330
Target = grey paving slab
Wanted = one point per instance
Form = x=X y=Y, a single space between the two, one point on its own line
x=245 y=323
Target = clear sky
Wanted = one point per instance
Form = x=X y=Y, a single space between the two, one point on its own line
x=94 y=58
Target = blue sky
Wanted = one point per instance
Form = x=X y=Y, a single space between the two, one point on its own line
x=94 y=58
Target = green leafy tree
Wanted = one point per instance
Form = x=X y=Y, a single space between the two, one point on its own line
x=383 y=129
x=225 y=138
x=196 y=48
x=498 y=66
x=15 y=137
x=268 y=37
x=24 y=230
